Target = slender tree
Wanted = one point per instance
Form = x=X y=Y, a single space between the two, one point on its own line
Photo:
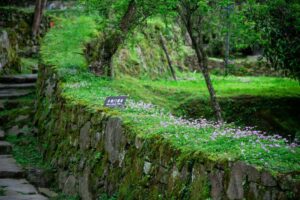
x=38 y=14
x=164 y=47
x=192 y=13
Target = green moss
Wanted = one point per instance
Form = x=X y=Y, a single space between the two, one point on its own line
x=137 y=58
x=199 y=188
x=62 y=196
x=107 y=197
x=2 y=191
x=81 y=88
x=60 y=50
x=28 y=64
x=27 y=153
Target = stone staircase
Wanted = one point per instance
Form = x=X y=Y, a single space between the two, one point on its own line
x=17 y=86
x=16 y=104
x=13 y=185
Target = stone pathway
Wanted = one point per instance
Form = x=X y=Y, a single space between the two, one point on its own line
x=12 y=182
x=17 y=85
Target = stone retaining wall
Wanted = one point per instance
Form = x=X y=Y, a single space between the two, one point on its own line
x=95 y=153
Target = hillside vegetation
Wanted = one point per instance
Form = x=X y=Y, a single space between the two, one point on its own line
x=218 y=142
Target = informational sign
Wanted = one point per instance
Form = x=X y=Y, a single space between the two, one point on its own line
x=113 y=102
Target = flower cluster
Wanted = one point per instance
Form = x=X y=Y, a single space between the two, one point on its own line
x=140 y=105
x=255 y=137
x=78 y=85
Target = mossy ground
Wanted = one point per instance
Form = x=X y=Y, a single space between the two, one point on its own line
x=63 y=50
x=26 y=152
x=2 y=191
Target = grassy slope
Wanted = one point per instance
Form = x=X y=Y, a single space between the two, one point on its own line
x=62 y=48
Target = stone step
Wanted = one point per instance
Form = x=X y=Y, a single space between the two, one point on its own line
x=22 y=78
x=5 y=148
x=20 y=196
x=14 y=93
x=17 y=86
x=8 y=104
x=9 y=168
x=19 y=189
x=23 y=197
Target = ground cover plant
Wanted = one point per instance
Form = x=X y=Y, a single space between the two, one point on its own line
x=26 y=151
x=63 y=50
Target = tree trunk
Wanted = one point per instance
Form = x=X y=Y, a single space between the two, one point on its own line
x=113 y=40
x=38 y=14
x=162 y=41
x=202 y=61
x=226 y=59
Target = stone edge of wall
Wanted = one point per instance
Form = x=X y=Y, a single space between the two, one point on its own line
x=95 y=153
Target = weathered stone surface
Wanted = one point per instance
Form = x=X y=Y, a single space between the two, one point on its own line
x=163 y=175
x=267 y=179
x=175 y=172
x=18 y=86
x=253 y=191
x=5 y=148
x=121 y=157
x=85 y=140
x=74 y=127
x=235 y=189
x=96 y=139
x=82 y=163
x=9 y=168
x=147 y=167
x=253 y=174
x=71 y=185
x=24 y=197
x=15 y=186
x=270 y=195
x=216 y=180
x=296 y=189
x=49 y=88
x=62 y=177
x=12 y=93
x=114 y=139
x=138 y=142
x=15 y=131
x=39 y=177
x=184 y=173
x=286 y=182
x=21 y=118
x=47 y=192
x=85 y=185
x=4 y=49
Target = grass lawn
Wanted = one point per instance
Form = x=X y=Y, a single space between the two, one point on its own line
x=170 y=94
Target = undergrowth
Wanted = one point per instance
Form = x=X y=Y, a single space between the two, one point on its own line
x=26 y=151
x=63 y=49
x=2 y=191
